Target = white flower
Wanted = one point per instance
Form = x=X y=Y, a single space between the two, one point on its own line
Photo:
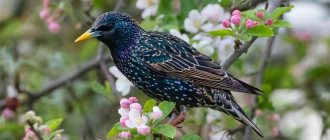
x=123 y=85
x=204 y=44
x=123 y=112
x=149 y=7
x=194 y=21
x=179 y=35
x=156 y=113
x=135 y=119
x=224 y=47
x=214 y=13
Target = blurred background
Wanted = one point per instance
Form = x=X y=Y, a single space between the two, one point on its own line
x=42 y=69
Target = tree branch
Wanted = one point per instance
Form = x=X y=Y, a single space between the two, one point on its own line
x=94 y=63
x=237 y=53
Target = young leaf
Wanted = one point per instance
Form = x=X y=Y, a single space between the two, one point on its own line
x=191 y=137
x=278 y=12
x=53 y=124
x=251 y=14
x=166 y=107
x=166 y=130
x=260 y=31
x=223 y=32
x=114 y=131
x=148 y=105
x=244 y=37
x=98 y=88
x=148 y=24
x=280 y=24
x=226 y=3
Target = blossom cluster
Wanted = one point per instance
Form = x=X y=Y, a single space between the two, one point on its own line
x=51 y=18
x=36 y=127
x=199 y=22
x=249 y=23
x=133 y=117
x=149 y=7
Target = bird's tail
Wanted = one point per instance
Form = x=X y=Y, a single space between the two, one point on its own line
x=229 y=106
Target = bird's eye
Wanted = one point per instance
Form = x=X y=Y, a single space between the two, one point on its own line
x=105 y=28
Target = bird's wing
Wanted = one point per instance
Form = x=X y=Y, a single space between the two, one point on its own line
x=170 y=56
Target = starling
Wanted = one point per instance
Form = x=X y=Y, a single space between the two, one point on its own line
x=167 y=68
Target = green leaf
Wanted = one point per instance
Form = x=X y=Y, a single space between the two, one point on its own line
x=148 y=24
x=108 y=88
x=260 y=31
x=166 y=130
x=114 y=131
x=223 y=32
x=149 y=105
x=226 y=3
x=278 y=12
x=190 y=137
x=98 y=88
x=166 y=107
x=165 y=7
x=53 y=124
x=244 y=37
x=251 y=14
x=281 y=23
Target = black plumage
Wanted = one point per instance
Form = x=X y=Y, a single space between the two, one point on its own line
x=167 y=68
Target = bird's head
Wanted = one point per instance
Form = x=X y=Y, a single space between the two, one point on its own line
x=112 y=26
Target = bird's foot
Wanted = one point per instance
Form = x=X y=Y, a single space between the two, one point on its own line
x=178 y=120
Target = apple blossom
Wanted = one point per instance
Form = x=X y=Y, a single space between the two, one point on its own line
x=133 y=99
x=125 y=134
x=54 y=26
x=236 y=20
x=149 y=7
x=260 y=14
x=156 y=113
x=269 y=22
x=249 y=24
x=236 y=13
x=143 y=130
x=123 y=85
x=226 y=23
x=125 y=103
x=136 y=106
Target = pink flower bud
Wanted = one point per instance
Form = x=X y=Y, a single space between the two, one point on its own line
x=276 y=117
x=236 y=13
x=143 y=130
x=156 y=113
x=275 y=131
x=123 y=121
x=7 y=113
x=249 y=24
x=44 y=14
x=125 y=103
x=126 y=135
x=133 y=99
x=136 y=106
x=226 y=23
x=54 y=27
x=260 y=14
x=269 y=22
x=236 y=20
x=255 y=23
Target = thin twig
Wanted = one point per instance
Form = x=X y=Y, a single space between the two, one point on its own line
x=34 y=130
x=237 y=53
x=94 y=63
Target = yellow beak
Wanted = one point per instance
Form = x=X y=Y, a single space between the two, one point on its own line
x=87 y=35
